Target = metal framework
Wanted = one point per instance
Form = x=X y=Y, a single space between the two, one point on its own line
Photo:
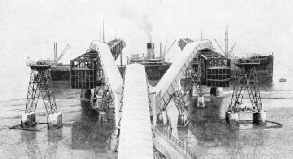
x=106 y=99
x=86 y=71
x=195 y=73
x=148 y=87
x=116 y=47
x=249 y=82
x=40 y=84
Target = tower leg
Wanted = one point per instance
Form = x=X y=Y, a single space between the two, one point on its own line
x=95 y=96
x=213 y=91
x=102 y=117
x=54 y=120
x=232 y=119
x=200 y=101
x=259 y=118
x=183 y=119
x=162 y=117
x=28 y=120
x=219 y=91
x=86 y=94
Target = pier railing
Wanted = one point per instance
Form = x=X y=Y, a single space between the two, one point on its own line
x=177 y=144
x=162 y=149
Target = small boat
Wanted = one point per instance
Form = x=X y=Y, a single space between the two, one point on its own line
x=282 y=80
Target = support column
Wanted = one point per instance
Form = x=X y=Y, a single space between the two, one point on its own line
x=28 y=119
x=259 y=118
x=216 y=91
x=153 y=106
x=232 y=119
x=102 y=117
x=200 y=102
x=118 y=109
x=55 y=120
x=182 y=118
x=164 y=117
x=95 y=96
x=86 y=94
x=213 y=91
x=219 y=91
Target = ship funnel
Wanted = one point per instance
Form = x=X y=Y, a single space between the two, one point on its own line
x=150 y=50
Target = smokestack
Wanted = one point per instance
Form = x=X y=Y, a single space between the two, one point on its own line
x=150 y=51
x=55 y=54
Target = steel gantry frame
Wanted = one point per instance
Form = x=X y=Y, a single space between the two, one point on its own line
x=40 y=84
x=87 y=70
x=168 y=88
x=249 y=82
x=116 y=47
x=194 y=71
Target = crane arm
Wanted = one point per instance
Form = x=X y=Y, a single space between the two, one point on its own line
x=169 y=48
x=63 y=52
x=232 y=48
x=219 y=46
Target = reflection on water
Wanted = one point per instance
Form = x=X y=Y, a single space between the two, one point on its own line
x=32 y=146
x=210 y=137
x=88 y=133
x=54 y=136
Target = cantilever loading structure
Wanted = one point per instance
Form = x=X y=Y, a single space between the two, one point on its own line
x=167 y=85
x=136 y=133
x=113 y=79
x=134 y=100
x=96 y=68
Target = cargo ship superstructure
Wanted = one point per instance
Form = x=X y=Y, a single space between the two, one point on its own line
x=155 y=67
x=263 y=64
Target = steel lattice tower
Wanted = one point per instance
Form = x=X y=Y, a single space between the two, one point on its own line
x=40 y=84
x=249 y=82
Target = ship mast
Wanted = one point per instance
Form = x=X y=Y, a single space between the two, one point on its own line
x=103 y=32
x=226 y=42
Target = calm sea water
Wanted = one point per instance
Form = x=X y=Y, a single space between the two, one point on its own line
x=210 y=137
x=80 y=137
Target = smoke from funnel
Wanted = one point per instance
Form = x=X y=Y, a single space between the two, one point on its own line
x=147 y=26
x=141 y=19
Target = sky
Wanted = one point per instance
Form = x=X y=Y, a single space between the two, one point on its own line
x=28 y=28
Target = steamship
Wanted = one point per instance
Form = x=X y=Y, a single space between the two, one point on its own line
x=263 y=64
x=215 y=68
x=155 y=67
